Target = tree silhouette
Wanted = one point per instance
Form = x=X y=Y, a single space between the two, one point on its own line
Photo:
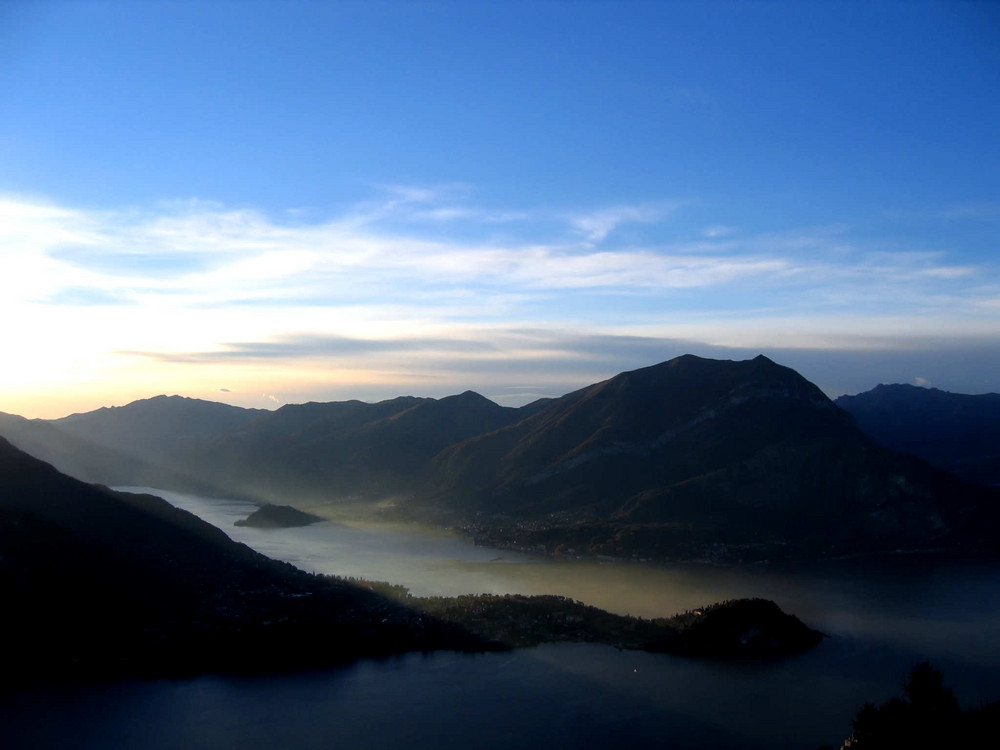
x=928 y=717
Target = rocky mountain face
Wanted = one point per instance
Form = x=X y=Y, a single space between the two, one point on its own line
x=689 y=459
x=956 y=432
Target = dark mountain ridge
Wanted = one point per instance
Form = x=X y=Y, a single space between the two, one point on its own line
x=78 y=456
x=695 y=458
x=627 y=419
x=688 y=459
x=318 y=452
x=956 y=432
x=128 y=445
x=156 y=426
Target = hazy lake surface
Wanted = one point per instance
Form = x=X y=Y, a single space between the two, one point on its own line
x=881 y=621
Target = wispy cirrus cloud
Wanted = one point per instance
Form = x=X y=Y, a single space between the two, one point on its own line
x=203 y=254
x=596 y=225
x=385 y=286
x=311 y=345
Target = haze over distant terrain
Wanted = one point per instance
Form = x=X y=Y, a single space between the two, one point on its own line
x=689 y=459
x=268 y=203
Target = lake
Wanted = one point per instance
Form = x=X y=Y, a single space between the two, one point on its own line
x=881 y=620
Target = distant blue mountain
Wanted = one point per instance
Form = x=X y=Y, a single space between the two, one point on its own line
x=956 y=432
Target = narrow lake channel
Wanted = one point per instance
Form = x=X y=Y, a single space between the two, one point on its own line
x=881 y=620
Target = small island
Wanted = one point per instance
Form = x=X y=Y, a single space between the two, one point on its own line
x=278 y=517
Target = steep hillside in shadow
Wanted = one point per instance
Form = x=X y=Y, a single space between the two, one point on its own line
x=76 y=455
x=103 y=583
x=698 y=457
x=953 y=431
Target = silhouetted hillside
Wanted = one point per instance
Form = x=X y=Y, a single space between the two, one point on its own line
x=736 y=629
x=97 y=582
x=703 y=458
x=592 y=448
x=927 y=717
x=953 y=431
x=133 y=444
x=76 y=455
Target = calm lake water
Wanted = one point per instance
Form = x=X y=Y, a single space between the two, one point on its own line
x=880 y=620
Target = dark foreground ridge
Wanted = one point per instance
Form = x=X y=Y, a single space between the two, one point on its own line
x=99 y=583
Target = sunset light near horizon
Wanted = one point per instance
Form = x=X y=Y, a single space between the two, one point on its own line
x=268 y=203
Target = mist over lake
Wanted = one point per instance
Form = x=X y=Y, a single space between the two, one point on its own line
x=881 y=619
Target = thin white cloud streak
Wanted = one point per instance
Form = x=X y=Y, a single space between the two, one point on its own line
x=595 y=226
x=716 y=232
x=242 y=254
x=641 y=270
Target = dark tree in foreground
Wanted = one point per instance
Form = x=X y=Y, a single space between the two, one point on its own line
x=928 y=716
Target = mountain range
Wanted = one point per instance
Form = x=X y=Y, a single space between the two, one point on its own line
x=688 y=459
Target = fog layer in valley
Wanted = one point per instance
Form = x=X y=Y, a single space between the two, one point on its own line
x=937 y=609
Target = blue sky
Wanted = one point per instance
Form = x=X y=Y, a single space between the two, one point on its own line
x=272 y=202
